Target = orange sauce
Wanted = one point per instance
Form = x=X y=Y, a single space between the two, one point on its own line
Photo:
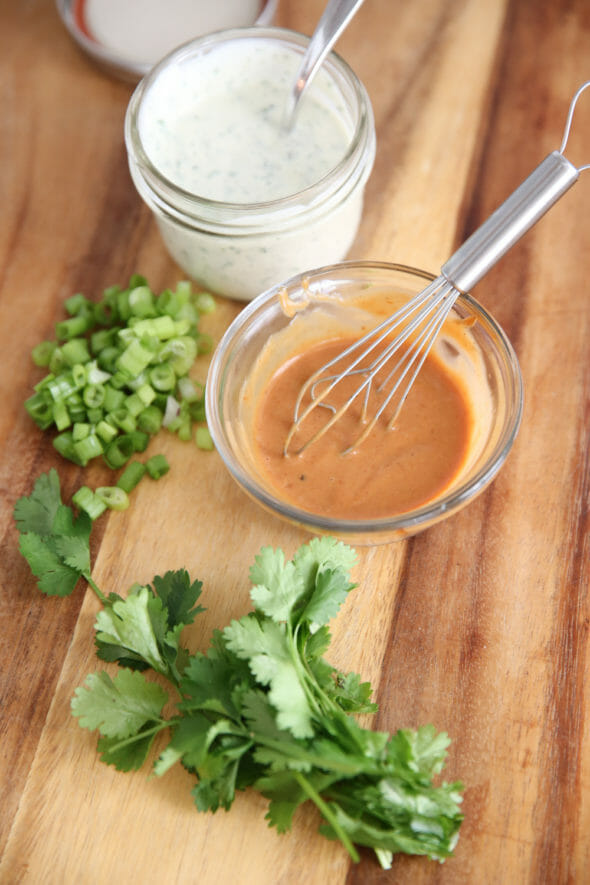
x=393 y=471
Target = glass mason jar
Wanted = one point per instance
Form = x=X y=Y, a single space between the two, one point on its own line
x=238 y=245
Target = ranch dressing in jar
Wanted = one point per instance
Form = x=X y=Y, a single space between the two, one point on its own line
x=241 y=203
x=217 y=132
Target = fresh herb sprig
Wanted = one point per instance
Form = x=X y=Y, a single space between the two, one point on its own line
x=261 y=707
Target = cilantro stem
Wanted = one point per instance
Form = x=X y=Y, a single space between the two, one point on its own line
x=326 y=811
x=306 y=677
x=160 y=725
x=95 y=587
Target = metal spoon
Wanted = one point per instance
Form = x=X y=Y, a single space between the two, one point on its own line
x=335 y=18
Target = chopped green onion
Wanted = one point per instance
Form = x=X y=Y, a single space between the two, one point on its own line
x=75 y=351
x=146 y=393
x=94 y=415
x=150 y=420
x=134 y=359
x=102 y=339
x=114 y=497
x=62 y=386
x=131 y=476
x=64 y=445
x=42 y=353
x=157 y=466
x=40 y=408
x=119 y=450
x=96 y=375
x=75 y=303
x=119 y=370
x=188 y=389
x=85 y=499
x=134 y=404
x=197 y=411
x=119 y=380
x=204 y=302
x=124 y=419
x=88 y=448
x=76 y=407
x=107 y=358
x=160 y=327
x=80 y=431
x=106 y=431
x=61 y=417
x=140 y=440
x=141 y=302
x=163 y=377
x=182 y=352
x=113 y=398
x=93 y=395
x=56 y=361
x=72 y=327
x=203 y=439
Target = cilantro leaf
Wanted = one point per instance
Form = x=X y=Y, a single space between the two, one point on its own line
x=325 y=552
x=265 y=646
x=423 y=750
x=144 y=630
x=117 y=707
x=208 y=684
x=36 y=512
x=353 y=695
x=211 y=793
x=56 y=578
x=126 y=755
x=179 y=596
x=55 y=544
x=285 y=796
x=277 y=585
x=330 y=591
x=128 y=624
x=75 y=553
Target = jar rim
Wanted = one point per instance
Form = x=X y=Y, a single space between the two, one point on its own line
x=182 y=203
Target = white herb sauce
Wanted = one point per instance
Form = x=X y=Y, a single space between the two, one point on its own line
x=212 y=125
x=242 y=204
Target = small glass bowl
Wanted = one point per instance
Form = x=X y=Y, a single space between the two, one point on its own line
x=240 y=347
x=239 y=249
x=109 y=33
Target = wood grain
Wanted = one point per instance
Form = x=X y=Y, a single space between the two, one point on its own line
x=479 y=625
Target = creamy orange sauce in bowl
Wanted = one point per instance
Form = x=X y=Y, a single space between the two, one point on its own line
x=447 y=443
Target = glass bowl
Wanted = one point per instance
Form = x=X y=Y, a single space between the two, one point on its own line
x=238 y=353
x=127 y=39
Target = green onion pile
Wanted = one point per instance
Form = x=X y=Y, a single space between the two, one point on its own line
x=118 y=371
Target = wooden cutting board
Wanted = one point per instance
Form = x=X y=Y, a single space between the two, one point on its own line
x=480 y=625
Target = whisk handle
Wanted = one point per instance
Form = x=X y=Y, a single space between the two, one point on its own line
x=523 y=208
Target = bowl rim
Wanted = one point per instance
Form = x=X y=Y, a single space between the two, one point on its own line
x=405 y=523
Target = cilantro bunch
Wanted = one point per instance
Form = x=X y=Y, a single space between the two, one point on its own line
x=261 y=707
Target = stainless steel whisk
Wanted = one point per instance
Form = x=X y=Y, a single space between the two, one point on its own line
x=421 y=319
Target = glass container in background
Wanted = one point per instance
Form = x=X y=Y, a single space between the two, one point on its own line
x=128 y=37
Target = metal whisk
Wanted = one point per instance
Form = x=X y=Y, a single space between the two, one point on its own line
x=419 y=321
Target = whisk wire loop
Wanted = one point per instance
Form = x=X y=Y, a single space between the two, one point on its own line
x=568 y=122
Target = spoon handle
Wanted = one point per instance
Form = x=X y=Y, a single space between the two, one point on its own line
x=334 y=20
